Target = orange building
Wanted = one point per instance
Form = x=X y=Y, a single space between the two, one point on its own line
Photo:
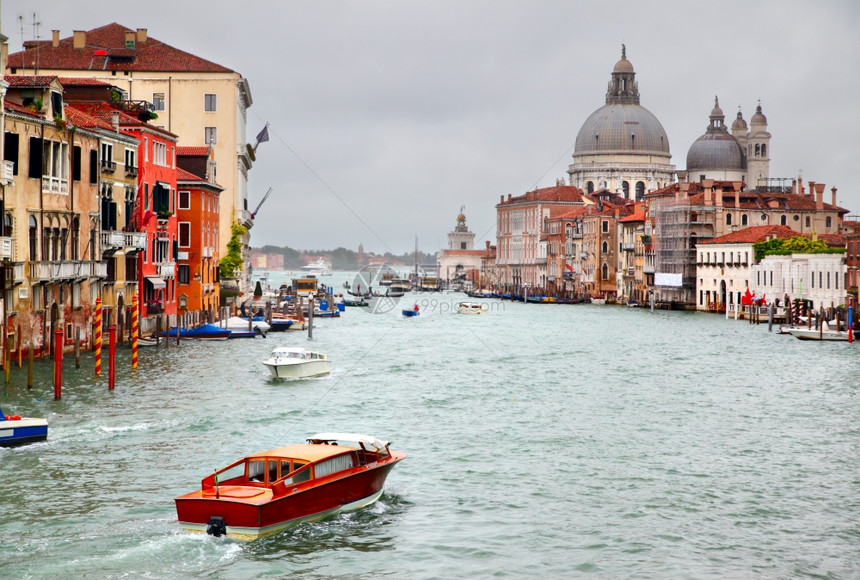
x=198 y=241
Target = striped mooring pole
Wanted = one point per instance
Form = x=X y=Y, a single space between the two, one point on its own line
x=134 y=331
x=98 y=337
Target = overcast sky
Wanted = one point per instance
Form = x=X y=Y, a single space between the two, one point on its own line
x=387 y=116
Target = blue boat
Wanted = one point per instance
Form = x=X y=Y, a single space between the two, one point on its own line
x=16 y=430
x=204 y=332
x=410 y=313
x=281 y=324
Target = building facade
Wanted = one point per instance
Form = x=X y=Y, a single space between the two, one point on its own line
x=201 y=102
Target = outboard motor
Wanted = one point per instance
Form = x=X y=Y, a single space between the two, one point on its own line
x=216 y=527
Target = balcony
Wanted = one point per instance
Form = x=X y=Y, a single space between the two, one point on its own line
x=134 y=241
x=98 y=270
x=208 y=252
x=108 y=166
x=244 y=218
x=6 y=249
x=154 y=307
x=7 y=173
x=648 y=269
x=631 y=272
x=131 y=171
x=628 y=246
x=54 y=185
x=19 y=270
x=111 y=241
x=167 y=269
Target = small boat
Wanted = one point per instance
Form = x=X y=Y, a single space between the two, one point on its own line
x=410 y=313
x=241 y=323
x=204 y=332
x=267 y=492
x=353 y=301
x=818 y=334
x=471 y=308
x=398 y=287
x=632 y=303
x=282 y=324
x=297 y=363
x=598 y=300
x=17 y=430
x=147 y=341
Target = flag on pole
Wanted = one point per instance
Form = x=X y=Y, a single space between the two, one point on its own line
x=262 y=136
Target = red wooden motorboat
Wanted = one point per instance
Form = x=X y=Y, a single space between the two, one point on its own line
x=267 y=492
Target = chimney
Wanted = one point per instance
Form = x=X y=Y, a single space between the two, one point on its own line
x=811 y=189
x=707 y=183
x=833 y=191
x=129 y=39
x=819 y=195
x=501 y=199
x=737 y=199
x=79 y=39
x=114 y=120
x=509 y=198
x=55 y=38
x=709 y=197
x=141 y=35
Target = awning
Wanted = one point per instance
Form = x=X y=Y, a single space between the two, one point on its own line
x=157 y=283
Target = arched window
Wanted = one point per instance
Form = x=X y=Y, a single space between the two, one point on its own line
x=625 y=187
x=604 y=272
x=744 y=219
x=589 y=187
x=763 y=150
x=640 y=190
x=76 y=238
x=783 y=220
x=34 y=239
x=605 y=247
x=7 y=226
x=757 y=150
x=728 y=219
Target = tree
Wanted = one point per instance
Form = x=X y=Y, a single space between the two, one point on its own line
x=233 y=261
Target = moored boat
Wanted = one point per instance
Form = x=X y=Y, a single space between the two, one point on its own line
x=471 y=308
x=818 y=334
x=264 y=493
x=292 y=362
x=414 y=311
x=204 y=332
x=16 y=430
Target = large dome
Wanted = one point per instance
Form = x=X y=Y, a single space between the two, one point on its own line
x=622 y=125
x=621 y=128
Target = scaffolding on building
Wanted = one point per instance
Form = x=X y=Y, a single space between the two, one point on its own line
x=678 y=228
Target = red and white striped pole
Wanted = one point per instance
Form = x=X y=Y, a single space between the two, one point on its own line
x=134 y=331
x=111 y=356
x=98 y=337
x=58 y=363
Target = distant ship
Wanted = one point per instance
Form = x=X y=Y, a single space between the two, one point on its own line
x=318 y=268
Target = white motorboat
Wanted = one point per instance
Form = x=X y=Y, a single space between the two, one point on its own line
x=319 y=268
x=239 y=323
x=818 y=334
x=290 y=362
x=471 y=308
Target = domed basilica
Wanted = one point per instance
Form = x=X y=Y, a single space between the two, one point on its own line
x=622 y=147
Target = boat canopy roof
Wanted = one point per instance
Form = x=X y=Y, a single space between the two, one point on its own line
x=357 y=437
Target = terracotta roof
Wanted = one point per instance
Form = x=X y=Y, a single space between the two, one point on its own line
x=637 y=216
x=82 y=82
x=14 y=107
x=105 y=49
x=193 y=151
x=184 y=176
x=753 y=234
x=574 y=213
x=17 y=81
x=79 y=118
x=106 y=113
x=568 y=193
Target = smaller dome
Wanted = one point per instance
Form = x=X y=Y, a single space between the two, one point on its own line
x=717 y=111
x=739 y=124
x=758 y=118
x=717 y=151
x=623 y=66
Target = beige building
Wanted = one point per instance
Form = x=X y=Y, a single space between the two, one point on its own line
x=200 y=101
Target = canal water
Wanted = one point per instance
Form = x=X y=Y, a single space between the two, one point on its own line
x=553 y=441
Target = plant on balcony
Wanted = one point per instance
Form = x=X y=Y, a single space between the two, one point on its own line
x=146 y=115
x=232 y=262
